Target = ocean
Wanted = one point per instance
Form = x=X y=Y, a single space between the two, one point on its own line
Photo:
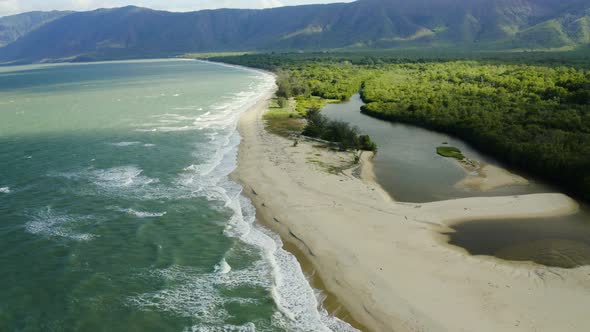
x=117 y=212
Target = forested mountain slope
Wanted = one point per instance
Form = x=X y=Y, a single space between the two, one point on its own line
x=461 y=24
x=16 y=26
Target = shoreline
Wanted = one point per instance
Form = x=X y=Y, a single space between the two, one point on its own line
x=399 y=275
x=330 y=301
x=484 y=177
x=366 y=171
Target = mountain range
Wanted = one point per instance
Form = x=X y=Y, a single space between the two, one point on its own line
x=15 y=26
x=131 y=32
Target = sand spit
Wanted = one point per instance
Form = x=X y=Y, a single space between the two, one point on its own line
x=386 y=261
x=489 y=177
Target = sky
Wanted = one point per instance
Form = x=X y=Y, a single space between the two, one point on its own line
x=9 y=7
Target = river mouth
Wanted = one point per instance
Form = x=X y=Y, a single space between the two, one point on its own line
x=558 y=242
x=409 y=169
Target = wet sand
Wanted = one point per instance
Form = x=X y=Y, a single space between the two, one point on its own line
x=489 y=177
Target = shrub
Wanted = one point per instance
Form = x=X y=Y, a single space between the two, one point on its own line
x=365 y=143
x=282 y=101
x=343 y=133
x=450 y=152
x=316 y=124
x=336 y=131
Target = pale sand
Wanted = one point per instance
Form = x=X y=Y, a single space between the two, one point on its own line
x=489 y=177
x=386 y=261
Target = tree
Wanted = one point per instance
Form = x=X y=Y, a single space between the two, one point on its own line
x=365 y=143
x=282 y=101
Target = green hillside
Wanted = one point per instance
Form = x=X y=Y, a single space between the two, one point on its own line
x=133 y=32
x=16 y=26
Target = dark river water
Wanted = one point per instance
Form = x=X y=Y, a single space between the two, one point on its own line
x=409 y=169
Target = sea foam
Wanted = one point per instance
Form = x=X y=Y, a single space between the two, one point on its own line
x=121 y=181
x=143 y=214
x=123 y=144
x=249 y=327
x=222 y=267
x=121 y=177
x=298 y=304
x=5 y=190
x=192 y=293
x=196 y=295
x=47 y=222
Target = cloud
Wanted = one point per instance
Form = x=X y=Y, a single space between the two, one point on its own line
x=9 y=6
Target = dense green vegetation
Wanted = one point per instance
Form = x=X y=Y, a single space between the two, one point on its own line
x=314 y=85
x=339 y=132
x=450 y=152
x=534 y=116
x=283 y=119
x=333 y=81
x=370 y=59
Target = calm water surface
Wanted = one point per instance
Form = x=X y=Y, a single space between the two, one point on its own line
x=116 y=211
x=408 y=167
x=563 y=241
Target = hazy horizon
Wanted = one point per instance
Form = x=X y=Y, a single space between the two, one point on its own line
x=13 y=7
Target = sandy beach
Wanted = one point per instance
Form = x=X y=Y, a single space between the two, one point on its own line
x=387 y=261
x=489 y=177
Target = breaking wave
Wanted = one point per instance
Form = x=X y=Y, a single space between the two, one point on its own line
x=47 y=222
x=299 y=309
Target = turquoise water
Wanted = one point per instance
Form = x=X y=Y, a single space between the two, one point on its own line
x=116 y=210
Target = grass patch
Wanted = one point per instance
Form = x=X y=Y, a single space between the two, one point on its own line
x=327 y=167
x=331 y=168
x=283 y=121
x=450 y=152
